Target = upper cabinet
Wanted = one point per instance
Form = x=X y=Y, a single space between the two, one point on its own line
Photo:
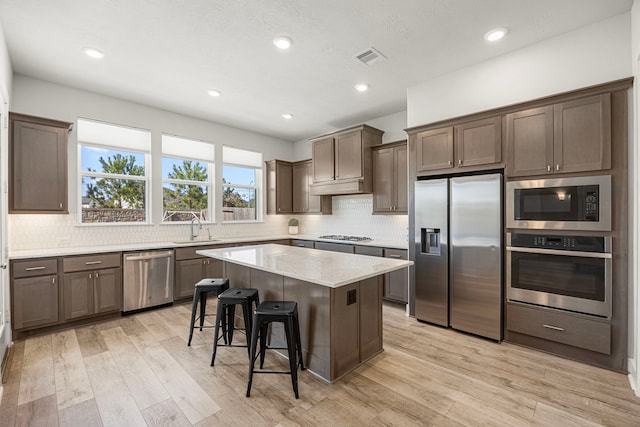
x=390 y=178
x=279 y=187
x=572 y=136
x=288 y=189
x=474 y=144
x=342 y=161
x=303 y=200
x=37 y=165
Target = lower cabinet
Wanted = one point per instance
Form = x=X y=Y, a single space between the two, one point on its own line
x=89 y=290
x=334 y=247
x=191 y=268
x=396 y=283
x=35 y=293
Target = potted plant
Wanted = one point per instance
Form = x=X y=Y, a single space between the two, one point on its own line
x=293 y=226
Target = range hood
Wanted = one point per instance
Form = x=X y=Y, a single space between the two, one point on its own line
x=339 y=188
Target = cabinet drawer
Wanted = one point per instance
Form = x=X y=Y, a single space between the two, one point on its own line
x=335 y=247
x=190 y=252
x=302 y=243
x=369 y=250
x=395 y=253
x=91 y=262
x=567 y=329
x=34 y=267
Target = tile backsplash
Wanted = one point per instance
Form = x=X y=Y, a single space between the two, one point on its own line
x=351 y=215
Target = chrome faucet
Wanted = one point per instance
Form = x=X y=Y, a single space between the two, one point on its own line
x=195 y=218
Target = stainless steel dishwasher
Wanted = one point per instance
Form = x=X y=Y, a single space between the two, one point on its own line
x=147 y=279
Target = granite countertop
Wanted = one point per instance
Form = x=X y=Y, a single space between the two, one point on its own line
x=81 y=250
x=327 y=268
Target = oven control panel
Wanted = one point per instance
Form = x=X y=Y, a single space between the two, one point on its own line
x=567 y=243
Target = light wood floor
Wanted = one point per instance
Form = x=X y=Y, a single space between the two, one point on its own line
x=138 y=370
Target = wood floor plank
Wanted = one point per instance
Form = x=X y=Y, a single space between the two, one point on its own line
x=41 y=412
x=548 y=415
x=90 y=340
x=144 y=385
x=115 y=403
x=81 y=415
x=166 y=414
x=11 y=389
x=72 y=382
x=37 y=380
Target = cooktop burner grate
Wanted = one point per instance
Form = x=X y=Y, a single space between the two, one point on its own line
x=343 y=237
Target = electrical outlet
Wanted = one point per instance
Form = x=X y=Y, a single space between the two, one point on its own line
x=352 y=296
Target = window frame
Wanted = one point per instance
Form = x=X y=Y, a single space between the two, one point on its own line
x=257 y=187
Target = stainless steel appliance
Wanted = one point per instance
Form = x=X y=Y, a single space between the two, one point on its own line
x=565 y=272
x=582 y=203
x=458 y=253
x=147 y=279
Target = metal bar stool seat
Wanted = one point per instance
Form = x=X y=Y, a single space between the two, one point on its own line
x=200 y=294
x=285 y=312
x=248 y=299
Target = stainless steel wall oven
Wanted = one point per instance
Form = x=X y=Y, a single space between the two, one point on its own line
x=565 y=272
x=576 y=203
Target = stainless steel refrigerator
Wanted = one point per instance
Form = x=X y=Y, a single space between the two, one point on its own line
x=458 y=253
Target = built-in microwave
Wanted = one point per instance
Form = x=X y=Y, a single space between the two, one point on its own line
x=576 y=203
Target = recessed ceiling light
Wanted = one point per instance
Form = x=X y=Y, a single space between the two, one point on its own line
x=214 y=92
x=287 y=116
x=93 y=53
x=283 y=42
x=495 y=34
x=362 y=87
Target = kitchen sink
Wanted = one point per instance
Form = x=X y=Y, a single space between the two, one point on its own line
x=195 y=242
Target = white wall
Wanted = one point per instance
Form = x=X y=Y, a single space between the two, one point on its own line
x=45 y=99
x=634 y=208
x=591 y=55
x=5 y=94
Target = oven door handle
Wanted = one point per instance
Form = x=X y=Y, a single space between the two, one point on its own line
x=559 y=252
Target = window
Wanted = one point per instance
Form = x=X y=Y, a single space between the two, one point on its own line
x=114 y=173
x=187 y=174
x=241 y=184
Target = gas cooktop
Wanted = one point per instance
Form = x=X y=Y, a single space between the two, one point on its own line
x=343 y=237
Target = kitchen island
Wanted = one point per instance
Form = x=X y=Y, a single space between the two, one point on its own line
x=339 y=298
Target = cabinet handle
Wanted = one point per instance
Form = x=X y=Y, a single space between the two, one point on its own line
x=97 y=275
x=555 y=328
x=548 y=168
x=90 y=276
x=449 y=162
x=53 y=281
x=459 y=162
x=557 y=167
x=92 y=262
x=42 y=267
x=394 y=256
x=60 y=205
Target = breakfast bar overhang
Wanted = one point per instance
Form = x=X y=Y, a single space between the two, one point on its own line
x=339 y=298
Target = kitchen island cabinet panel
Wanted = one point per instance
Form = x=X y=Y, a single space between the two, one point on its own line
x=35 y=302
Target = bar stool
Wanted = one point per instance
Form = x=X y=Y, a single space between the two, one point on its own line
x=227 y=301
x=276 y=311
x=202 y=289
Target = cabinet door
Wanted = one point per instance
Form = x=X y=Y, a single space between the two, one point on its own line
x=396 y=282
x=348 y=149
x=107 y=290
x=383 y=180
x=401 y=185
x=300 y=188
x=38 y=168
x=434 y=149
x=530 y=142
x=213 y=268
x=35 y=301
x=582 y=134
x=78 y=294
x=284 y=201
x=188 y=273
x=479 y=142
x=323 y=160
x=335 y=247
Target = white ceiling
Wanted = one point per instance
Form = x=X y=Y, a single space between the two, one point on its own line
x=167 y=53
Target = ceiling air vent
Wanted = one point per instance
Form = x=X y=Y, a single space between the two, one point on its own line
x=370 y=57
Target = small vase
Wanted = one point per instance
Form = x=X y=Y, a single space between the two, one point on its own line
x=293 y=229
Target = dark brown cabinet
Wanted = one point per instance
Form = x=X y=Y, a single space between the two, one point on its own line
x=279 y=187
x=342 y=161
x=303 y=201
x=572 y=136
x=476 y=143
x=37 y=165
x=396 y=283
x=35 y=293
x=92 y=285
x=191 y=268
x=390 y=178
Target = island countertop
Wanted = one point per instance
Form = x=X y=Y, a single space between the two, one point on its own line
x=332 y=269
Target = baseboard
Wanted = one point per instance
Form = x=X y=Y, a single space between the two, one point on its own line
x=633 y=376
x=6 y=364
